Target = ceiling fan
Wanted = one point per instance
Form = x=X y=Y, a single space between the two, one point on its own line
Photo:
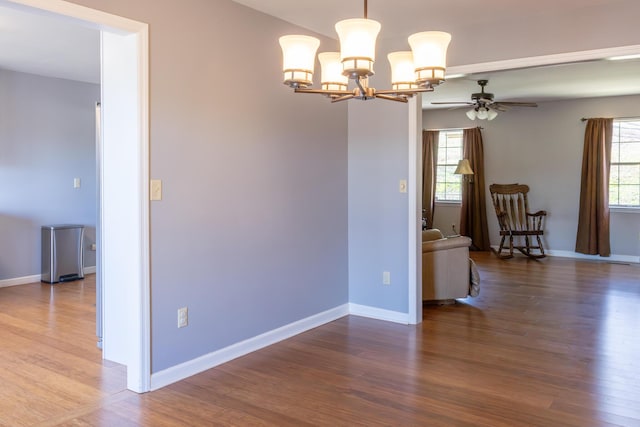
x=484 y=107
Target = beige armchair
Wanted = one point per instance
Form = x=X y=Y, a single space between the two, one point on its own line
x=445 y=267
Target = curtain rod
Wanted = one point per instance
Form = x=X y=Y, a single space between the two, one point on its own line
x=475 y=127
x=616 y=118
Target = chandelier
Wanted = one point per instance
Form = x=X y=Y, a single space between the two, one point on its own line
x=418 y=70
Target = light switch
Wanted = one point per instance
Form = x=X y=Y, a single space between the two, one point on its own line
x=76 y=182
x=403 y=185
x=156 y=189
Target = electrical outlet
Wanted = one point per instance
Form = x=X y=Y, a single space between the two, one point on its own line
x=183 y=317
x=386 y=278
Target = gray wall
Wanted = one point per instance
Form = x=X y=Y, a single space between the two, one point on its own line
x=378 y=212
x=542 y=148
x=251 y=233
x=47 y=138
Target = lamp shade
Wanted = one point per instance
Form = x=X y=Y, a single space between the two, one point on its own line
x=331 y=72
x=491 y=114
x=402 y=70
x=464 y=168
x=358 y=45
x=298 y=59
x=430 y=56
x=472 y=114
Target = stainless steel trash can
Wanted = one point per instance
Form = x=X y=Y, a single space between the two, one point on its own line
x=62 y=255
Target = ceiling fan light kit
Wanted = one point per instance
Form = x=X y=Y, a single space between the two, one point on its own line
x=418 y=70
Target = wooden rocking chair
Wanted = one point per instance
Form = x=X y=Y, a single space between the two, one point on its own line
x=512 y=209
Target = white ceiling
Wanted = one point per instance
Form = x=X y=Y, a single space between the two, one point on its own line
x=55 y=47
x=48 y=46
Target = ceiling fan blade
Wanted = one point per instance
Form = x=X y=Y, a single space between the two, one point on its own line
x=498 y=107
x=461 y=103
x=517 y=104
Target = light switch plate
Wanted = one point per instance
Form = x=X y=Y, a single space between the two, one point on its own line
x=403 y=185
x=156 y=189
x=76 y=182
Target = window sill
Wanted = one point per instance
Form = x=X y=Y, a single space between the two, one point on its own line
x=624 y=209
x=448 y=203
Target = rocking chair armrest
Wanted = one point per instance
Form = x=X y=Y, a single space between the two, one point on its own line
x=539 y=213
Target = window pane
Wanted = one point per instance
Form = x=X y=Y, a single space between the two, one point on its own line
x=615 y=152
x=629 y=174
x=613 y=195
x=629 y=195
x=629 y=152
x=629 y=131
x=454 y=155
x=614 y=173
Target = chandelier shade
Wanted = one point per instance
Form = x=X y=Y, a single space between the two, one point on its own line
x=331 y=72
x=298 y=59
x=430 y=55
x=402 y=70
x=415 y=71
x=358 y=45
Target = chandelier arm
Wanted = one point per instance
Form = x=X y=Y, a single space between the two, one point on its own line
x=324 y=92
x=342 y=98
x=399 y=98
x=404 y=91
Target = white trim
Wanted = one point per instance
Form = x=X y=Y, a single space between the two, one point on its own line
x=89 y=270
x=536 y=61
x=5 y=283
x=208 y=361
x=577 y=255
x=379 y=313
x=414 y=208
x=624 y=209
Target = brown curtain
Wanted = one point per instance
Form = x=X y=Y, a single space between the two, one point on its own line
x=473 y=215
x=429 y=162
x=593 y=218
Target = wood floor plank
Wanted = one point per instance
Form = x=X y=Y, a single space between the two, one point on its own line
x=552 y=342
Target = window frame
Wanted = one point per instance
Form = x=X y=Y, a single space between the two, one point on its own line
x=618 y=207
x=457 y=178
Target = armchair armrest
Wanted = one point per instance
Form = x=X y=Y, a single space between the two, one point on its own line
x=444 y=244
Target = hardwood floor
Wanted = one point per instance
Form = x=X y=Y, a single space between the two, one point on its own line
x=554 y=342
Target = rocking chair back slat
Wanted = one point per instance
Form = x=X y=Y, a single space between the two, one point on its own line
x=512 y=209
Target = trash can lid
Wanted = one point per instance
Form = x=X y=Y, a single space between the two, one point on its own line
x=61 y=226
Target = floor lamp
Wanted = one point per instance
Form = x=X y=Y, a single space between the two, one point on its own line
x=464 y=169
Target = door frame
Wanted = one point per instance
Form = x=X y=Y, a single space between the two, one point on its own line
x=125 y=83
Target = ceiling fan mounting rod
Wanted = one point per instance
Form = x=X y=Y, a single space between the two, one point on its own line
x=365 y=9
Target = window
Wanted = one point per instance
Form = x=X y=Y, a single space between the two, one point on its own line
x=448 y=185
x=624 y=180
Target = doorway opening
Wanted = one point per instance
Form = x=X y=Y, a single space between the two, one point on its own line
x=124 y=210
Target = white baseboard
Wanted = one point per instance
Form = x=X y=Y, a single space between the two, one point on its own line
x=612 y=258
x=378 y=313
x=576 y=255
x=208 y=361
x=34 y=278
x=19 y=281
